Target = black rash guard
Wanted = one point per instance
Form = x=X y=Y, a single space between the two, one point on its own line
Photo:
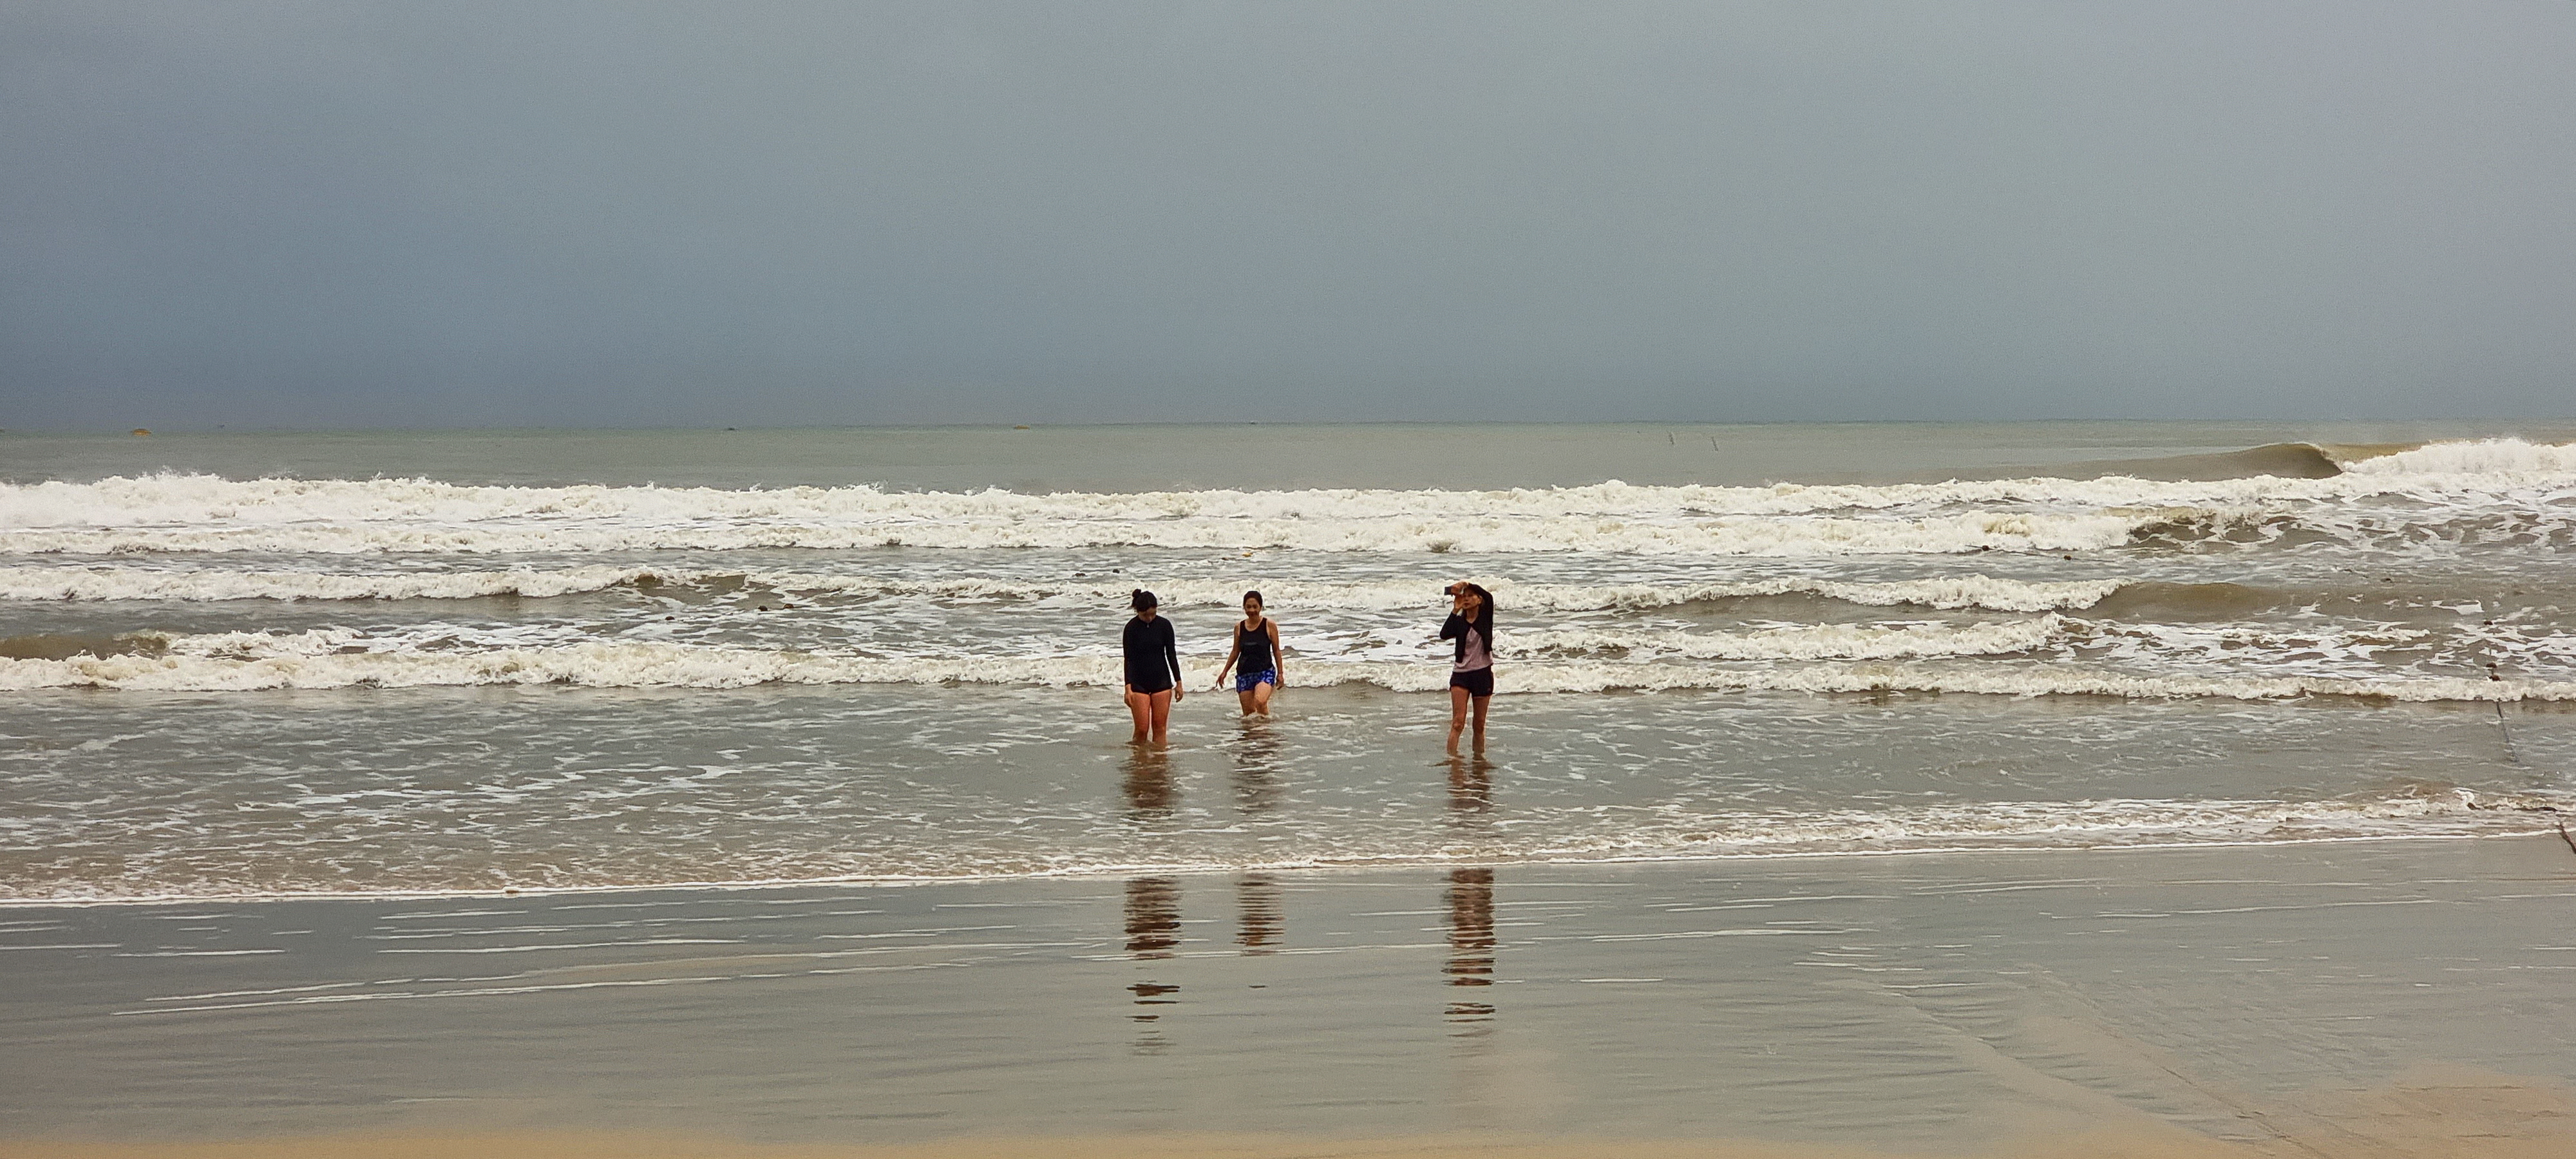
x=1153 y=660
x=1475 y=640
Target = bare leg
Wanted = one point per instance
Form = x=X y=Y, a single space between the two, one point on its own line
x=1482 y=703
x=1246 y=699
x=1140 y=706
x=1261 y=697
x=1162 y=702
x=1457 y=715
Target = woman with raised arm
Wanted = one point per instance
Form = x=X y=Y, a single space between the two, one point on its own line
x=1153 y=682
x=1256 y=646
x=1471 y=672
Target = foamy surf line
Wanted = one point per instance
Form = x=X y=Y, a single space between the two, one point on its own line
x=252 y=662
x=1488 y=532
x=199 y=513
x=2001 y=827
x=132 y=583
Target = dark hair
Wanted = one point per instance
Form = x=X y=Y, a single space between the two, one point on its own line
x=1484 y=611
x=1255 y=597
x=1142 y=600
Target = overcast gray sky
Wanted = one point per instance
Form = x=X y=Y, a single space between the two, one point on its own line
x=443 y=214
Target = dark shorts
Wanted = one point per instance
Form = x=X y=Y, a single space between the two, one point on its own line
x=1151 y=687
x=1247 y=681
x=1478 y=683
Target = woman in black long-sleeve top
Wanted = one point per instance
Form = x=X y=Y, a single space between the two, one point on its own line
x=1153 y=683
x=1471 y=674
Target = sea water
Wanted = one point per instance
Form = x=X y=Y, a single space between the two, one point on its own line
x=399 y=663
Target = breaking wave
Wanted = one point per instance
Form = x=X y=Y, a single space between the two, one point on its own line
x=203 y=513
x=339 y=658
x=2483 y=457
x=131 y=583
x=114 y=583
x=1811 y=642
x=2280 y=460
x=1642 y=533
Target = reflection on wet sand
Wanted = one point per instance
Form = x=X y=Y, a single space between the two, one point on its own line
x=1153 y=932
x=1262 y=923
x=1153 y=903
x=1471 y=939
x=1153 y=916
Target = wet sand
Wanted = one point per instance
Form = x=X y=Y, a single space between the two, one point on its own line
x=2478 y=1120
x=2358 y=999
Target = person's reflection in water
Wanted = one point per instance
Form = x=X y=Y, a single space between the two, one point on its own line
x=1263 y=922
x=1153 y=932
x=1150 y=793
x=1471 y=788
x=1256 y=767
x=1471 y=941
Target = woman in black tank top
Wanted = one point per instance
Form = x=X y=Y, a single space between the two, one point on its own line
x=1255 y=659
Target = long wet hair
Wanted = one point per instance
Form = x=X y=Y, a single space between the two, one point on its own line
x=1142 y=600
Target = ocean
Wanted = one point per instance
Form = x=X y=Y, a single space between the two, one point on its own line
x=390 y=664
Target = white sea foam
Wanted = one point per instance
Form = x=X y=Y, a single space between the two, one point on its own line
x=1948 y=592
x=129 y=583
x=136 y=583
x=1814 y=642
x=1645 y=533
x=1667 y=834
x=2066 y=822
x=338 y=658
x=204 y=513
x=2512 y=457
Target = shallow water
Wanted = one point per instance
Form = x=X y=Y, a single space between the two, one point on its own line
x=137 y=794
x=409 y=663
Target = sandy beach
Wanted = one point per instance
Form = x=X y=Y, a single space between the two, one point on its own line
x=2369 y=998
x=615 y=579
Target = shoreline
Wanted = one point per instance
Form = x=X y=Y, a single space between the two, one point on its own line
x=1110 y=873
